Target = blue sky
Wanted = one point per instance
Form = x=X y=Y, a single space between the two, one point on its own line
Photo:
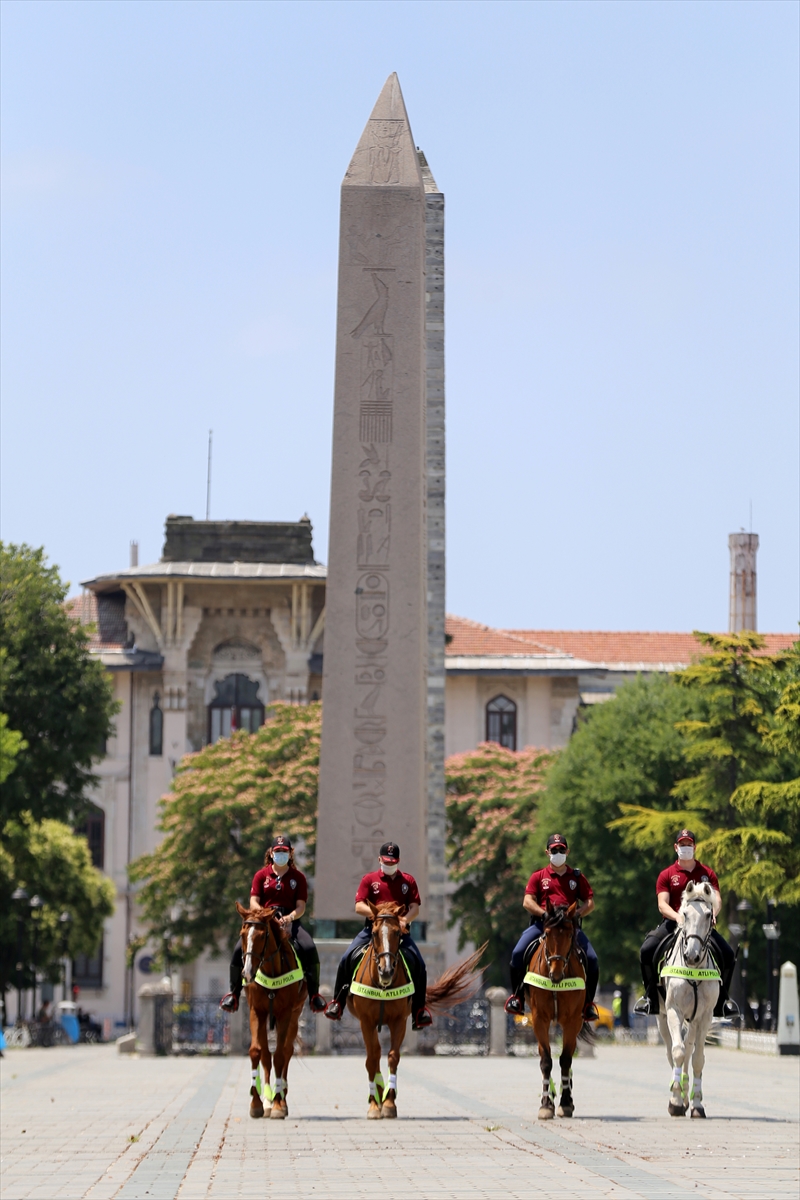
x=622 y=284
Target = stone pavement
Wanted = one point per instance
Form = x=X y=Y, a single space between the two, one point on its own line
x=83 y=1121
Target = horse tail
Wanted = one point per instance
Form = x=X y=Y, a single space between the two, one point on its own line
x=456 y=984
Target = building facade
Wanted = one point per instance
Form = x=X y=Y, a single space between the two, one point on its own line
x=231 y=618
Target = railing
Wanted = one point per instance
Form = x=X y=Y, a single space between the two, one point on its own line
x=200 y=1025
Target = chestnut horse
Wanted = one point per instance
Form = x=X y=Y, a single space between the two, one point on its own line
x=276 y=993
x=556 y=991
x=381 y=992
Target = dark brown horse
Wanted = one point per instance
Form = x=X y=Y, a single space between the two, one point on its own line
x=556 y=991
x=276 y=993
x=381 y=995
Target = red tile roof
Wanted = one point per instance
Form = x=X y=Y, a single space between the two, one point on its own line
x=468 y=637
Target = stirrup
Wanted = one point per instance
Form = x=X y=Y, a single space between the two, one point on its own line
x=334 y=1011
x=422 y=1019
x=730 y=1008
x=590 y=1013
x=317 y=1003
x=229 y=1003
x=642 y=1006
x=514 y=1005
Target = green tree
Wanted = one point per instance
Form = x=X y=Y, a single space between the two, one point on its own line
x=11 y=742
x=55 y=695
x=49 y=860
x=741 y=760
x=492 y=795
x=227 y=801
x=627 y=751
x=760 y=855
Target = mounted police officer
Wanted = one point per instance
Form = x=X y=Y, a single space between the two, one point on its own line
x=386 y=885
x=670 y=886
x=559 y=884
x=279 y=884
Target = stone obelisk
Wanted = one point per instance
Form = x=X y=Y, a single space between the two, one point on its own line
x=373 y=779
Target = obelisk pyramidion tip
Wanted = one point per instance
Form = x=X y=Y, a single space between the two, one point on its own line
x=386 y=155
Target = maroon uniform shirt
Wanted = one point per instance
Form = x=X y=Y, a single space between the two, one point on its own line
x=547 y=884
x=383 y=889
x=675 y=878
x=283 y=892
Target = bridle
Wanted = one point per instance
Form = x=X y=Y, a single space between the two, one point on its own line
x=704 y=941
x=562 y=958
x=392 y=956
x=254 y=924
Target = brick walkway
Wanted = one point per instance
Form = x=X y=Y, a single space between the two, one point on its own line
x=86 y=1122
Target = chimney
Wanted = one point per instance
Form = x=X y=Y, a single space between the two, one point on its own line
x=134 y=554
x=742 y=615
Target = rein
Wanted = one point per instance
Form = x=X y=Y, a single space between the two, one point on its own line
x=691 y=975
x=375 y=990
x=284 y=978
x=571 y=983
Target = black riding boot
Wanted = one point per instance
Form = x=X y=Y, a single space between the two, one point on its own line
x=725 y=1007
x=230 y=1003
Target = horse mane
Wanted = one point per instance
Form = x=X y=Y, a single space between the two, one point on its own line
x=268 y=916
x=556 y=915
x=390 y=908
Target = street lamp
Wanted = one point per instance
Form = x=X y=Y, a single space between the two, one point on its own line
x=19 y=896
x=772 y=932
x=65 y=920
x=36 y=906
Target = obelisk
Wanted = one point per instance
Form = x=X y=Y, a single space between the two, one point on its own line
x=373 y=785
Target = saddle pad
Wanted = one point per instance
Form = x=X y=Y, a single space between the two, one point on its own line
x=574 y=984
x=377 y=993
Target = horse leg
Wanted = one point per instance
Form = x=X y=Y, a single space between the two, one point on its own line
x=698 y=1062
x=677 y=1107
x=571 y=1029
x=397 y=1028
x=257 y=1032
x=283 y=1052
x=372 y=1043
x=541 y=1028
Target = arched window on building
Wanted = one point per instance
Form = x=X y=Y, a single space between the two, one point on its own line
x=501 y=722
x=156 y=728
x=235 y=706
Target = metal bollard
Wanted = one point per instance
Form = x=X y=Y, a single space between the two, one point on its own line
x=497 y=997
x=788 y=1011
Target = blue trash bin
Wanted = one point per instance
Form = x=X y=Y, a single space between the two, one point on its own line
x=68 y=1017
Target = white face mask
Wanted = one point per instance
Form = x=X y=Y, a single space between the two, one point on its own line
x=558 y=860
x=280 y=858
x=388 y=868
x=685 y=853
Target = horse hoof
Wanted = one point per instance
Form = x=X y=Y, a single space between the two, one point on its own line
x=373 y=1112
x=565 y=1112
x=389 y=1109
x=677 y=1110
x=279 y=1111
x=546 y=1113
x=698 y=1111
x=256 y=1110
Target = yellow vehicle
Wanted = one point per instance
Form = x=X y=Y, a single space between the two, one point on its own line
x=605 y=1018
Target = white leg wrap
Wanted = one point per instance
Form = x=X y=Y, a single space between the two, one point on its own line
x=373 y=1088
x=280 y=1085
x=393 y=1082
x=254 y=1075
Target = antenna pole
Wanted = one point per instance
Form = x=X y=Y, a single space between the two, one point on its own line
x=208 y=479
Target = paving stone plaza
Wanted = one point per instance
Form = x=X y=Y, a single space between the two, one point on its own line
x=85 y=1121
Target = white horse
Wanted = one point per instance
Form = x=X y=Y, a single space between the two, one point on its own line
x=692 y=984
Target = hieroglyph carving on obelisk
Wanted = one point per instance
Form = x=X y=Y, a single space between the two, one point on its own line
x=372 y=771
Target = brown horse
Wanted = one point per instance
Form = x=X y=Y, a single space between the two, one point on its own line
x=276 y=993
x=381 y=992
x=556 y=990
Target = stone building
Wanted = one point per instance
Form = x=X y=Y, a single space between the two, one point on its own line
x=197 y=644
x=231 y=618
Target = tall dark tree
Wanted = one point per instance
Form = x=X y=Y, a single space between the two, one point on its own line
x=55 y=695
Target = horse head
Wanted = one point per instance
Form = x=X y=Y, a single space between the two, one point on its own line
x=388 y=926
x=559 y=938
x=697 y=910
x=257 y=934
